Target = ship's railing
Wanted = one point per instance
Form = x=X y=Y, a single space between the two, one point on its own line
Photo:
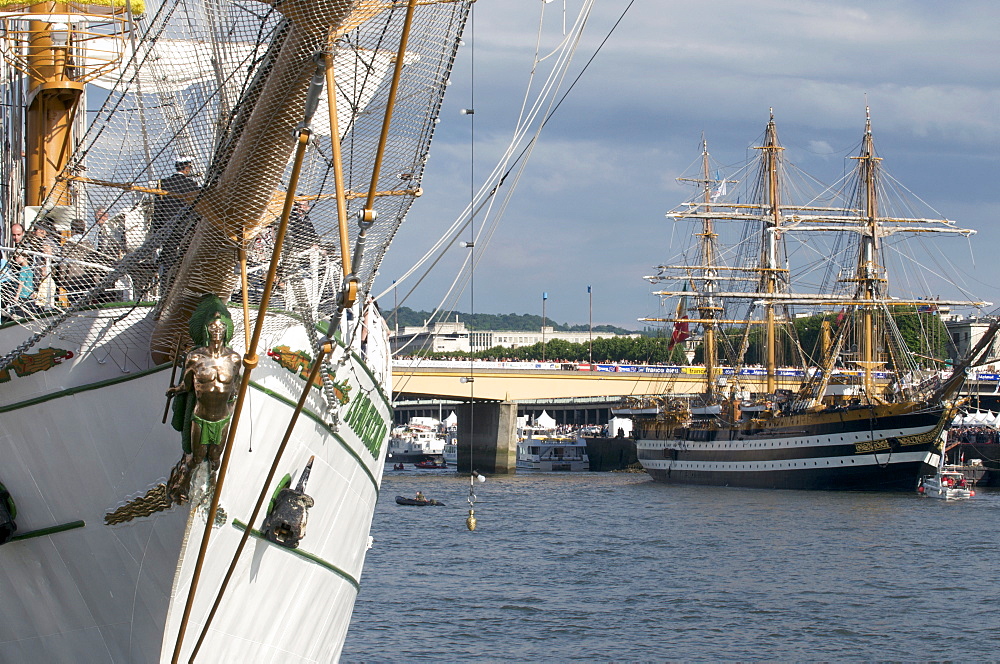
x=46 y=292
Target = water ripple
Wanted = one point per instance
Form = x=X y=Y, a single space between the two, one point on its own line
x=606 y=567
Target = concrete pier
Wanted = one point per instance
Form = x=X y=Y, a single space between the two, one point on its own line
x=611 y=454
x=487 y=432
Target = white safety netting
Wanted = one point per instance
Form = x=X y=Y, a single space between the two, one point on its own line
x=184 y=158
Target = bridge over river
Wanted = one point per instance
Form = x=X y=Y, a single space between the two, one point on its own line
x=573 y=393
x=519 y=381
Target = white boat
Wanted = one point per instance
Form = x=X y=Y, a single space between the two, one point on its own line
x=450 y=453
x=416 y=442
x=948 y=483
x=552 y=453
x=117 y=544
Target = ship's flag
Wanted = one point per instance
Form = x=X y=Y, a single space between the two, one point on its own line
x=720 y=191
x=680 y=334
x=682 y=329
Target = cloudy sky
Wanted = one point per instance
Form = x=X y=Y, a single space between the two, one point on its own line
x=589 y=208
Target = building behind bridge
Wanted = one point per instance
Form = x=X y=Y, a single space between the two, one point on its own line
x=965 y=334
x=453 y=336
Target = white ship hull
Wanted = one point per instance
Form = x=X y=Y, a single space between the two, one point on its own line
x=548 y=465
x=83 y=437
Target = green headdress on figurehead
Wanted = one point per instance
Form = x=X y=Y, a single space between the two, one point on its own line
x=204 y=314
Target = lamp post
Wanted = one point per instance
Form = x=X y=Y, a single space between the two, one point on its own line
x=590 y=319
x=545 y=296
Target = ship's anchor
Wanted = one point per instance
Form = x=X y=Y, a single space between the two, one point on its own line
x=285 y=523
x=470 y=521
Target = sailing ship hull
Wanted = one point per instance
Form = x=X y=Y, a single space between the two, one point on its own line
x=95 y=592
x=847 y=451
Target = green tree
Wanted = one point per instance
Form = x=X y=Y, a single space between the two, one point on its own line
x=515 y=322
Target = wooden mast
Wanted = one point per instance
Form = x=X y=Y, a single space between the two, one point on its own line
x=868 y=267
x=770 y=257
x=706 y=308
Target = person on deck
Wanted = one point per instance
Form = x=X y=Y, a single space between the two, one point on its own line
x=17 y=285
x=16 y=234
x=173 y=215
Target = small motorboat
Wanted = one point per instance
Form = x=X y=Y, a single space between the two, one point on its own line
x=400 y=500
x=946 y=483
x=430 y=464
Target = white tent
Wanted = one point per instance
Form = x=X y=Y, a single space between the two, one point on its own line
x=977 y=419
x=451 y=420
x=546 y=421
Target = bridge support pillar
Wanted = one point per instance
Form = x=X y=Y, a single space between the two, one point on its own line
x=491 y=428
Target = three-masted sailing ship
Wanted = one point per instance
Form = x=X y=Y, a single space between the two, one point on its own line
x=196 y=197
x=857 y=410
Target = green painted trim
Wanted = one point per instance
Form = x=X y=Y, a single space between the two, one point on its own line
x=239 y=525
x=51 y=530
x=83 y=388
x=163 y=367
x=316 y=418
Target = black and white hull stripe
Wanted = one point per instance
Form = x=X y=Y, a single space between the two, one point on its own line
x=849 y=456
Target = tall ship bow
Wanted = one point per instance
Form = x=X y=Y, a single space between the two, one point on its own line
x=194 y=379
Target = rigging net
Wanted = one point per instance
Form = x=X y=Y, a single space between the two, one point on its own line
x=185 y=162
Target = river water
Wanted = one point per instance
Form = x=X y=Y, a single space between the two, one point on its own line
x=601 y=567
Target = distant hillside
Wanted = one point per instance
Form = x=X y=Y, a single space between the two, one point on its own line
x=517 y=322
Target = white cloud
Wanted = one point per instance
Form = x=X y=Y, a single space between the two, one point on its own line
x=591 y=204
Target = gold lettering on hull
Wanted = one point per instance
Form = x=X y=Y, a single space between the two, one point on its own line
x=925 y=438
